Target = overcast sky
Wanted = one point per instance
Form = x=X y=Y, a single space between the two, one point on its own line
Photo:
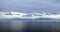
x=31 y=5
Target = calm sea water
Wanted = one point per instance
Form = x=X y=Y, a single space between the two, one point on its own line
x=16 y=25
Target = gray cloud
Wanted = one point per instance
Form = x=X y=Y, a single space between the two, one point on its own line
x=31 y=5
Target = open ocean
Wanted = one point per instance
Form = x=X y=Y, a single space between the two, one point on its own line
x=16 y=25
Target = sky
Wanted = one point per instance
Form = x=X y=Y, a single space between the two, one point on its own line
x=11 y=15
x=30 y=5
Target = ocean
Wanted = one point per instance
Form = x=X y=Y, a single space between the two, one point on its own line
x=31 y=25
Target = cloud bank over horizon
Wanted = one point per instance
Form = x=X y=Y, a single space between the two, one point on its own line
x=31 y=6
x=34 y=15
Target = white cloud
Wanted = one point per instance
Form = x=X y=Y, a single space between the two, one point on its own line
x=28 y=15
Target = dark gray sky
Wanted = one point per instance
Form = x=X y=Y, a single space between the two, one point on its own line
x=31 y=5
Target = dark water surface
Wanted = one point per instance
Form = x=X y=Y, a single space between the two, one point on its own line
x=29 y=25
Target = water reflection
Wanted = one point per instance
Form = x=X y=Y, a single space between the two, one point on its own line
x=29 y=26
x=14 y=26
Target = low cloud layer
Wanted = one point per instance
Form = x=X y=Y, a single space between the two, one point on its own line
x=33 y=15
